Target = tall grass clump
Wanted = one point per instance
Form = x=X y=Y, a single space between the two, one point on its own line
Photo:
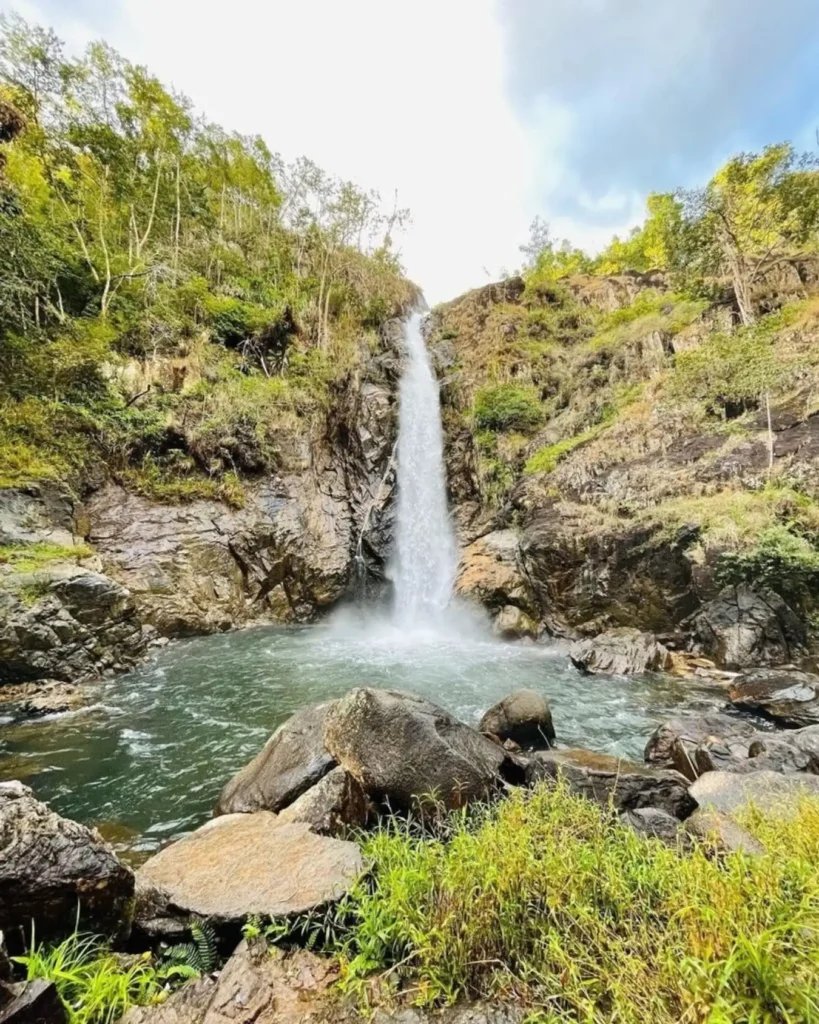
x=95 y=985
x=550 y=901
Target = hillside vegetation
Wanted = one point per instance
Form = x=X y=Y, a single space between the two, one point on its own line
x=175 y=301
x=670 y=380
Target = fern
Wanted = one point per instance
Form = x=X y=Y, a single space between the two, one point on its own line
x=194 y=958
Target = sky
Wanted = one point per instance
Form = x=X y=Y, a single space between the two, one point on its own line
x=483 y=114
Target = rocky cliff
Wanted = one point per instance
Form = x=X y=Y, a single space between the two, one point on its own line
x=619 y=452
x=90 y=582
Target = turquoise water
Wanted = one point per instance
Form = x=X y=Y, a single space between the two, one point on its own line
x=148 y=759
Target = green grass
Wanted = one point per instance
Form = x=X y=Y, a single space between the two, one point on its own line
x=545 y=459
x=31 y=557
x=547 y=900
x=95 y=985
x=649 y=312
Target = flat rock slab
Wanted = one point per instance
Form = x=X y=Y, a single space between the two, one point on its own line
x=786 y=696
x=772 y=792
x=243 y=864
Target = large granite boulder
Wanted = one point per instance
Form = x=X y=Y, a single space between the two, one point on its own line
x=79 y=624
x=239 y=865
x=742 y=627
x=51 y=868
x=292 y=760
x=403 y=748
x=652 y=823
x=490 y=573
x=776 y=794
x=787 y=697
x=332 y=807
x=524 y=717
x=620 y=652
x=612 y=781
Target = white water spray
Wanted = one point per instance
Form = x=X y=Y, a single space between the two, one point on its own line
x=426 y=549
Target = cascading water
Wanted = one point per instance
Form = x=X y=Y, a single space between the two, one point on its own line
x=426 y=550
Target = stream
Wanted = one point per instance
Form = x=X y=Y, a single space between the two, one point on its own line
x=146 y=761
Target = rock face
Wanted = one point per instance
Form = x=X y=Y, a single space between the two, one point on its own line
x=742 y=627
x=788 y=697
x=292 y=760
x=610 y=780
x=776 y=794
x=336 y=803
x=49 y=866
x=523 y=717
x=244 y=864
x=620 y=652
x=402 y=748
x=80 y=624
x=490 y=573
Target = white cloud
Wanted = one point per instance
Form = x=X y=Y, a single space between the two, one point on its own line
x=392 y=96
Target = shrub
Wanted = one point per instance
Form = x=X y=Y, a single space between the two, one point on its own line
x=783 y=561
x=549 y=900
x=507 y=407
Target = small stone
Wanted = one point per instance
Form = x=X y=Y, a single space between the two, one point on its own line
x=335 y=804
x=773 y=793
x=721 y=832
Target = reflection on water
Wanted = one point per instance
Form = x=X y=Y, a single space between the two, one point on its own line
x=151 y=756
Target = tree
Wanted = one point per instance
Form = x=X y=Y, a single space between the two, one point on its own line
x=758 y=211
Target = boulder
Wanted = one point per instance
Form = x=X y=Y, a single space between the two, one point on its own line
x=742 y=627
x=511 y=623
x=335 y=804
x=674 y=743
x=490 y=574
x=45 y=697
x=774 y=793
x=721 y=832
x=620 y=652
x=50 y=867
x=524 y=717
x=38 y=1003
x=292 y=760
x=239 y=865
x=612 y=781
x=796 y=750
x=403 y=748
x=652 y=823
x=787 y=697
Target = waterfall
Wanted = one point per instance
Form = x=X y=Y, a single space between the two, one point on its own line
x=426 y=549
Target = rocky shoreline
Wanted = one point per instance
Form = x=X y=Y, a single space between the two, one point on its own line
x=282 y=839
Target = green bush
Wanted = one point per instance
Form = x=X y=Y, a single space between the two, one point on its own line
x=507 y=407
x=782 y=561
x=550 y=901
x=731 y=372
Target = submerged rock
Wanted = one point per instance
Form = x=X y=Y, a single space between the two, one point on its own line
x=336 y=803
x=239 y=865
x=524 y=717
x=403 y=748
x=51 y=868
x=512 y=623
x=620 y=652
x=742 y=627
x=292 y=760
x=776 y=794
x=612 y=781
x=788 y=697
